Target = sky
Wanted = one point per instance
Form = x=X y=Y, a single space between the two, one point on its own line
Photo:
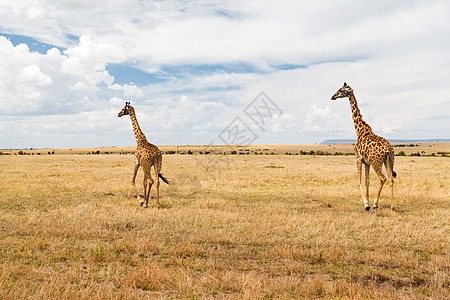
x=220 y=72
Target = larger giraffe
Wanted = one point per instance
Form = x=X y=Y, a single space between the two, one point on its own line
x=147 y=155
x=370 y=150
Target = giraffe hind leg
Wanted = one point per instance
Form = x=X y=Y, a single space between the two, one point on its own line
x=147 y=180
x=145 y=183
x=378 y=170
x=392 y=194
x=391 y=174
x=157 y=168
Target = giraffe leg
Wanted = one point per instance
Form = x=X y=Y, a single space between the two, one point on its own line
x=133 y=182
x=389 y=168
x=392 y=193
x=364 y=193
x=157 y=193
x=367 y=179
x=145 y=191
x=379 y=172
x=147 y=195
x=157 y=168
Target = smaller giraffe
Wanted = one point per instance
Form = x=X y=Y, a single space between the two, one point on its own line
x=370 y=150
x=147 y=155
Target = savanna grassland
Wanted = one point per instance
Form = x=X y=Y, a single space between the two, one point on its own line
x=235 y=226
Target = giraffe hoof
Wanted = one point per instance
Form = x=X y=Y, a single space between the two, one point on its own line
x=145 y=206
x=141 y=203
x=375 y=207
x=367 y=208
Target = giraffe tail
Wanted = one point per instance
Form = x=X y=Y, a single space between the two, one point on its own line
x=163 y=178
x=390 y=163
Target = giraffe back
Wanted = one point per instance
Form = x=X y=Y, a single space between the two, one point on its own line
x=374 y=149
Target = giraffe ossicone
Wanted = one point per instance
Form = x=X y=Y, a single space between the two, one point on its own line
x=370 y=150
x=147 y=155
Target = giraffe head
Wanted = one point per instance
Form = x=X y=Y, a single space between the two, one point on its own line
x=125 y=110
x=344 y=92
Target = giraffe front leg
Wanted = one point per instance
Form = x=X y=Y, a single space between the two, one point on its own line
x=133 y=182
x=367 y=179
x=364 y=193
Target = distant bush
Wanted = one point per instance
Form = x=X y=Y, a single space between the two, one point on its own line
x=401 y=153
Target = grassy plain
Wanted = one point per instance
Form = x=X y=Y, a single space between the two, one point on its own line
x=435 y=149
x=241 y=226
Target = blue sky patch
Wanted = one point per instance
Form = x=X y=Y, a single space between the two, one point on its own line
x=208 y=69
x=126 y=74
x=33 y=44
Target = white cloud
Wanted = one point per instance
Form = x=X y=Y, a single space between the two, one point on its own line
x=284 y=122
x=32 y=75
x=56 y=82
x=79 y=86
x=88 y=60
x=128 y=90
x=323 y=114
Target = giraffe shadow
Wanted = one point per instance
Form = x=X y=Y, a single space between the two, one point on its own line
x=161 y=206
x=384 y=211
x=165 y=206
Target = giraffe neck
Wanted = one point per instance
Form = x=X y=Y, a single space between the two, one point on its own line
x=138 y=134
x=361 y=127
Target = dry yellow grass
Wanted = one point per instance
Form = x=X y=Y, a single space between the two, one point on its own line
x=244 y=227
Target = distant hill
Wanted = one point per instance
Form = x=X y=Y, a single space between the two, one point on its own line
x=352 y=141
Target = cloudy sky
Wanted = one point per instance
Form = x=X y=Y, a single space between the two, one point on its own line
x=192 y=68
